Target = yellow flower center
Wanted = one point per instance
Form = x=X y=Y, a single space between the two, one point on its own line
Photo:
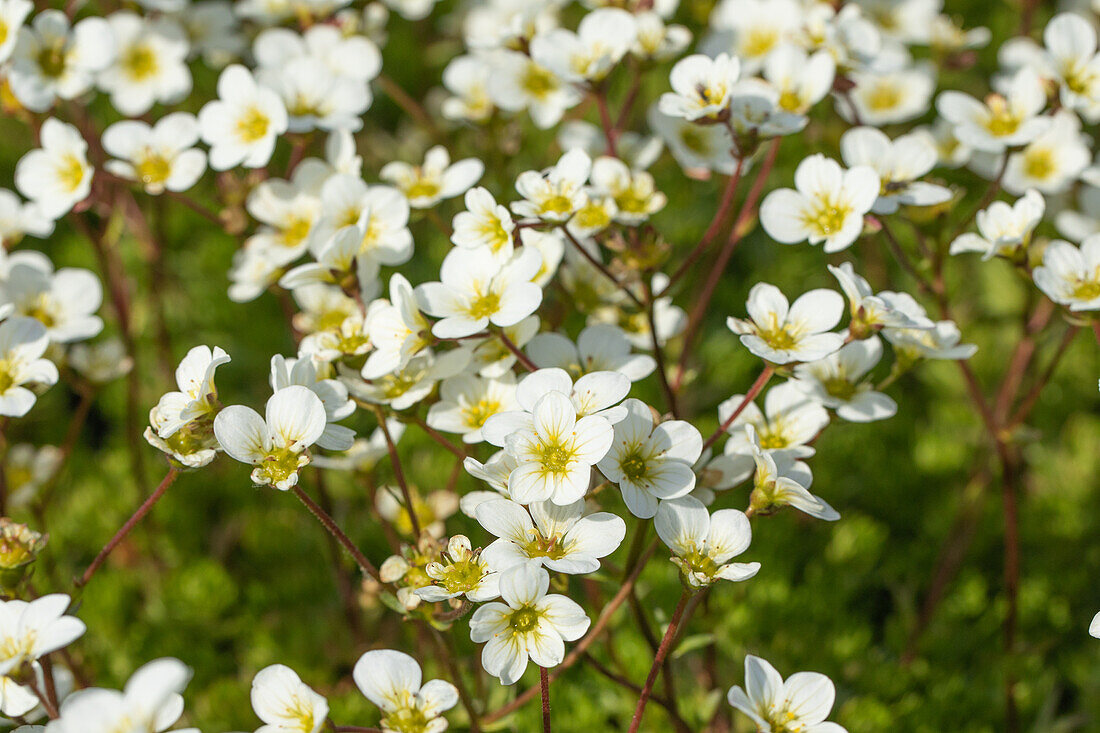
x=41 y=309
x=840 y=388
x=53 y=59
x=423 y=188
x=280 y=464
x=484 y=304
x=634 y=465
x=140 y=62
x=1001 y=120
x=538 y=82
x=1086 y=289
x=153 y=168
x=7 y=375
x=70 y=172
x=790 y=101
x=406 y=719
x=772 y=440
x=1039 y=163
x=524 y=620
x=475 y=414
x=554 y=458
x=296 y=229
x=759 y=41
x=695 y=140
x=828 y=218
x=883 y=96
x=253 y=125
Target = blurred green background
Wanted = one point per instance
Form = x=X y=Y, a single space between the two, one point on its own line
x=231 y=578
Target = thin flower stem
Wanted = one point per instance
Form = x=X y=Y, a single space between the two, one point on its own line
x=1032 y=397
x=447 y=654
x=406 y=102
x=147 y=505
x=754 y=390
x=329 y=523
x=658 y=661
x=47 y=705
x=659 y=352
x=608 y=126
x=398 y=473
x=990 y=194
x=594 y=633
x=602 y=268
x=712 y=230
x=544 y=685
x=520 y=356
x=198 y=208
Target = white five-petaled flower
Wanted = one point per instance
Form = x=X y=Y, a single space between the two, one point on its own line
x=159 y=157
x=197 y=397
x=150 y=66
x=150 y=702
x=800 y=704
x=703 y=543
x=898 y=163
x=485 y=223
x=466 y=402
x=333 y=394
x=476 y=289
x=1052 y=161
x=701 y=87
x=562 y=538
x=781 y=481
x=839 y=382
x=397 y=329
x=599 y=347
x=437 y=179
x=1070 y=275
x=276 y=443
x=651 y=461
x=827 y=207
x=555 y=451
x=23 y=341
x=602 y=39
x=56 y=176
x=392 y=680
x=1070 y=42
x=65 y=301
x=286 y=704
x=556 y=193
x=460 y=571
x=1002 y=121
x=52 y=59
x=787 y=425
x=243 y=123
x=1003 y=229
x=780 y=332
x=30 y=630
x=529 y=625
x=871 y=312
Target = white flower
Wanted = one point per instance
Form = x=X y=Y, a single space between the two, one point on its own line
x=516 y=82
x=1071 y=275
x=437 y=179
x=838 y=382
x=783 y=333
x=332 y=393
x=197 y=398
x=52 y=59
x=554 y=450
x=476 y=290
x=599 y=347
x=888 y=97
x=19 y=219
x=597 y=393
x=1001 y=122
x=781 y=481
x=466 y=402
x=752 y=29
x=634 y=192
x=1052 y=161
x=64 y=302
x=23 y=341
x=1070 y=42
x=30 y=630
x=467 y=79
x=380 y=212
x=1003 y=229
x=562 y=538
x=703 y=543
x=701 y=87
x=529 y=624
x=827 y=207
x=12 y=15
x=602 y=39
x=159 y=157
x=56 y=176
x=392 y=681
x=698 y=149
x=241 y=126
x=800 y=704
x=655 y=39
x=397 y=329
x=288 y=212
x=150 y=702
x=939 y=342
x=788 y=424
x=274 y=444
x=460 y=571
x=898 y=163
x=485 y=223
x=556 y=193
x=286 y=704
x=649 y=461
x=802 y=80
x=150 y=66
x=871 y=312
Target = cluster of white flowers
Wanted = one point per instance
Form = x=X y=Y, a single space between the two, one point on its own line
x=481 y=357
